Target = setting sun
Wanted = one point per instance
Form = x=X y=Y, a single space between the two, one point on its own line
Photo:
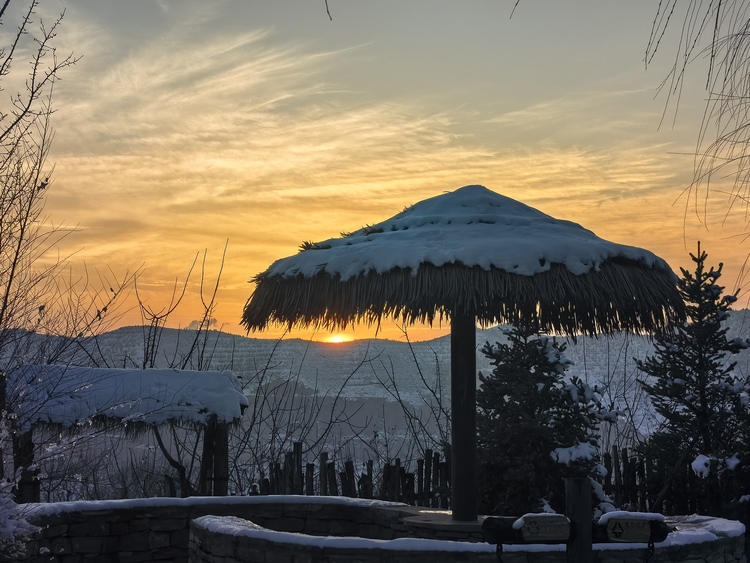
x=339 y=338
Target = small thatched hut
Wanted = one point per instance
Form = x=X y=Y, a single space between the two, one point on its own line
x=64 y=397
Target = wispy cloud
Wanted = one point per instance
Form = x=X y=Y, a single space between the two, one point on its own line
x=187 y=137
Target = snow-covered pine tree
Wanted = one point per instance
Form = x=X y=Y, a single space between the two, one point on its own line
x=535 y=427
x=691 y=382
x=693 y=385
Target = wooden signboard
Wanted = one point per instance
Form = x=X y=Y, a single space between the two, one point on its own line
x=545 y=528
x=628 y=530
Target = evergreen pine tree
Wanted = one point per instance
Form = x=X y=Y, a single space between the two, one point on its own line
x=692 y=384
x=534 y=426
x=695 y=389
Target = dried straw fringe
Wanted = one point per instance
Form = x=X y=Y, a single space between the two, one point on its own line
x=622 y=295
x=133 y=428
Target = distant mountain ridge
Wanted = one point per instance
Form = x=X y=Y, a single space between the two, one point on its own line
x=604 y=360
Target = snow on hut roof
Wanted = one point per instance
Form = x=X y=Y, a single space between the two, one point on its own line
x=471 y=251
x=68 y=395
x=472 y=226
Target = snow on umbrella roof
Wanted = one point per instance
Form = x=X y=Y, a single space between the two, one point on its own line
x=68 y=395
x=468 y=251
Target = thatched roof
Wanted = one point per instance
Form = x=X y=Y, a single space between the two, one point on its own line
x=68 y=396
x=471 y=251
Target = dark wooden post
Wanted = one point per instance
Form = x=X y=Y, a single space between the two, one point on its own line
x=297 y=474
x=3 y=407
x=427 y=477
x=627 y=488
x=420 y=482
x=333 y=488
x=608 y=477
x=368 y=487
x=289 y=473
x=618 y=475
x=309 y=479
x=435 y=501
x=464 y=482
x=641 y=485
x=277 y=482
x=349 y=470
x=408 y=489
x=323 y=475
x=265 y=486
x=221 y=459
x=396 y=480
x=389 y=481
x=169 y=489
x=344 y=484
x=206 y=473
x=444 y=485
x=385 y=481
x=23 y=456
x=578 y=511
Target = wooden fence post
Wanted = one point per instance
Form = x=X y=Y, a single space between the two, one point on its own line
x=206 y=471
x=435 y=478
x=323 y=475
x=349 y=470
x=427 y=477
x=385 y=482
x=445 y=487
x=641 y=468
x=277 y=479
x=213 y=478
x=221 y=459
x=608 y=477
x=396 y=480
x=265 y=486
x=310 y=479
x=408 y=496
x=333 y=488
x=23 y=453
x=618 y=475
x=420 y=482
x=368 y=492
x=344 y=483
x=289 y=473
x=297 y=480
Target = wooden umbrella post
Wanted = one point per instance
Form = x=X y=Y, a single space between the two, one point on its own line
x=465 y=489
x=578 y=511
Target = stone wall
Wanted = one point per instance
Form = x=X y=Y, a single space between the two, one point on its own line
x=230 y=540
x=233 y=540
x=134 y=531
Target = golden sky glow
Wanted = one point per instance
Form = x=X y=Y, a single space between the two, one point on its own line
x=187 y=124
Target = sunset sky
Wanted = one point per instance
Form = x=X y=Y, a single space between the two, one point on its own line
x=190 y=123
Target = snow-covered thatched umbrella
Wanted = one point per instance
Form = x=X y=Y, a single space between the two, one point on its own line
x=64 y=397
x=471 y=255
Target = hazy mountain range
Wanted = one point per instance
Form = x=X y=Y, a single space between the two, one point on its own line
x=368 y=364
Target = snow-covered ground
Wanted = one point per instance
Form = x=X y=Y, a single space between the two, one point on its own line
x=371 y=372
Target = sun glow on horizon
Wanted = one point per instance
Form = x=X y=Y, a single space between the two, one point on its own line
x=338 y=338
